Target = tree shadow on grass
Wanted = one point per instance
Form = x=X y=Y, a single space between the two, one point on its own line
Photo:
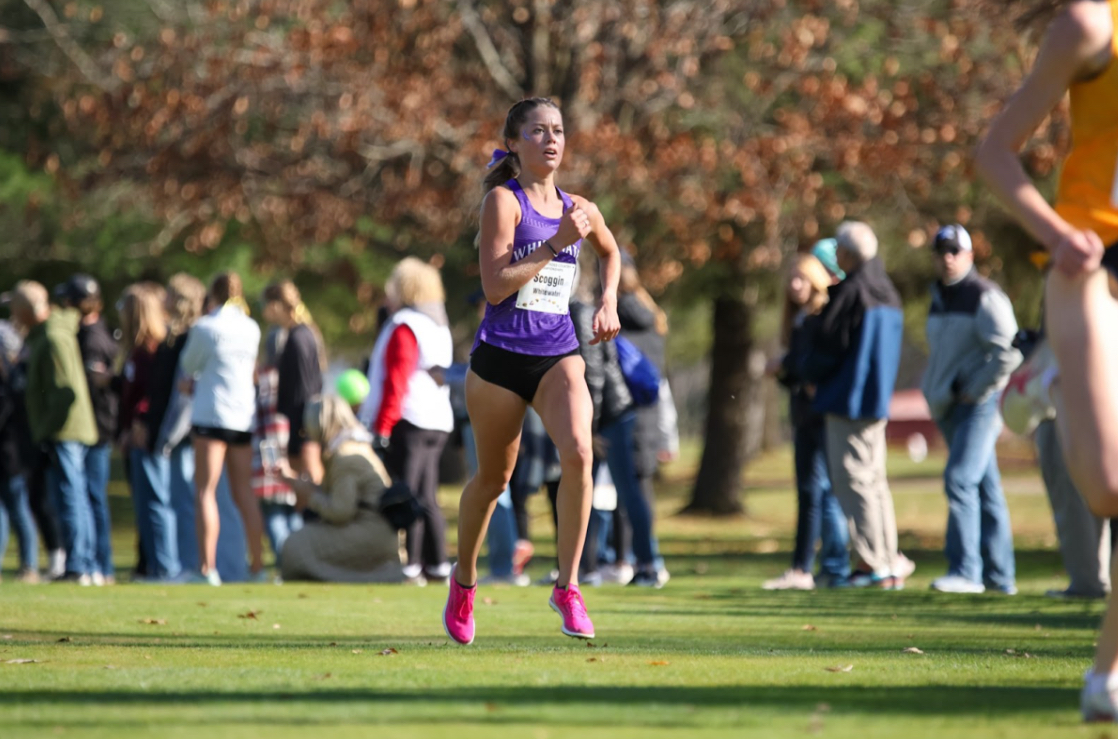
x=927 y=700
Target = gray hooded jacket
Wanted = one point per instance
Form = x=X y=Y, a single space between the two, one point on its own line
x=970 y=342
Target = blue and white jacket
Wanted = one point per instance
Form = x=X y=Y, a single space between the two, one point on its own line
x=856 y=345
x=970 y=343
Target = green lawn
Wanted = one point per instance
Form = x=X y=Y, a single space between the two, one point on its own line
x=709 y=655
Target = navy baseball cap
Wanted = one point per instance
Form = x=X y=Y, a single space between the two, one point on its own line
x=953 y=238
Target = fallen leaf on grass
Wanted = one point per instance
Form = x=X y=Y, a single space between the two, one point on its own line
x=659 y=663
x=491 y=707
x=591 y=645
x=6 y=636
x=912 y=650
x=111 y=667
x=488 y=601
x=251 y=614
x=839 y=668
x=388 y=652
x=356 y=651
x=301 y=596
x=808 y=627
x=203 y=605
x=596 y=659
x=327 y=676
x=154 y=621
x=275 y=626
x=333 y=644
x=21 y=662
x=65 y=639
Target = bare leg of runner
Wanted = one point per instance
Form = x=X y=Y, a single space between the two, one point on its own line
x=1086 y=395
x=496 y=415
x=563 y=402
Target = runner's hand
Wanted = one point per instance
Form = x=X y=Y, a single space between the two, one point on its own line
x=574 y=225
x=1078 y=253
x=606 y=323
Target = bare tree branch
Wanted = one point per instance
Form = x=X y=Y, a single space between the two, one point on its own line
x=488 y=51
x=69 y=47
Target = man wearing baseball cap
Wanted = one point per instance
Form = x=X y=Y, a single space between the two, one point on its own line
x=99 y=354
x=970 y=345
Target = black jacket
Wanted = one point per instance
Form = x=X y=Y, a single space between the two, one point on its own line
x=300 y=379
x=161 y=383
x=799 y=346
x=603 y=372
x=638 y=325
x=15 y=434
x=99 y=353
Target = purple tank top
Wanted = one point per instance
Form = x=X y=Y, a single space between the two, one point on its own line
x=525 y=331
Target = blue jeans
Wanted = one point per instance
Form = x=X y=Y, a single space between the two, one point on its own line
x=66 y=481
x=979 y=544
x=820 y=515
x=155 y=515
x=502 y=524
x=97 y=485
x=15 y=508
x=232 y=563
x=623 y=469
x=281 y=520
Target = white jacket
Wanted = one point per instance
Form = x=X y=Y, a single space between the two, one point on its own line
x=426 y=403
x=220 y=354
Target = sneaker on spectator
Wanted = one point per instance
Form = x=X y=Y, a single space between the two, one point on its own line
x=458 y=615
x=549 y=579
x=260 y=576
x=98 y=580
x=590 y=579
x=1026 y=400
x=870 y=579
x=56 y=564
x=197 y=578
x=522 y=555
x=1069 y=594
x=956 y=584
x=791 y=580
x=75 y=578
x=903 y=567
x=28 y=576
x=650 y=578
x=519 y=581
x=413 y=575
x=1098 y=701
x=439 y=574
x=617 y=574
x=568 y=603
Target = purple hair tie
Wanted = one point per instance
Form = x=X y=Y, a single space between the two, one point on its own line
x=498 y=155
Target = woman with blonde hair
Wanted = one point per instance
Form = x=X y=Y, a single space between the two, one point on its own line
x=351 y=541
x=819 y=512
x=408 y=407
x=300 y=366
x=168 y=425
x=144 y=328
x=220 y=356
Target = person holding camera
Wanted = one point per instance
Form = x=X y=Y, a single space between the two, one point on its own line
x=352 y=540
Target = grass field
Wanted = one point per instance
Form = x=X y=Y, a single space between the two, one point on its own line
x=710 y=655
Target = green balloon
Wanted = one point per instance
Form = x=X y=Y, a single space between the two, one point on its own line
x=352 y=386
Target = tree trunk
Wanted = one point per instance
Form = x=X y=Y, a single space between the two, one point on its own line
x=732 y=384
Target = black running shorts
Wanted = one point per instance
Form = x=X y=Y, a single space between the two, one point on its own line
x=520 y=373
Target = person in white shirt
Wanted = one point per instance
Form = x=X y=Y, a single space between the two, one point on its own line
x=220 y=357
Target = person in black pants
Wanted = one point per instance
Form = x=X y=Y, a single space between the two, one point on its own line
x=408 y=407
x=300 y=366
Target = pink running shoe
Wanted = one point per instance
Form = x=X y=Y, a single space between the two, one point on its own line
x=568 y=604
x=458 y=616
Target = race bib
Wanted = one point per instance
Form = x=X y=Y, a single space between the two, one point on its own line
x=549 y=291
